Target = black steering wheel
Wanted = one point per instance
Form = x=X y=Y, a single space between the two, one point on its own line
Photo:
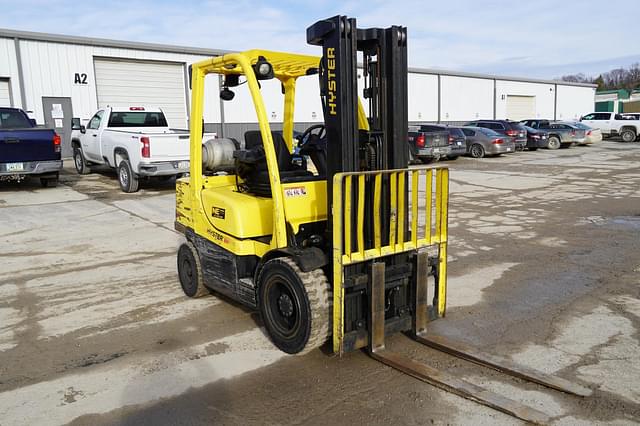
x=320 y=132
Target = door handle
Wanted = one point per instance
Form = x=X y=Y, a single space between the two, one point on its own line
x=94 y=135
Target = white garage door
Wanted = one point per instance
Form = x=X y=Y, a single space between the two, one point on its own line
x=521 y=107
x=161 y=84
x=5 y=98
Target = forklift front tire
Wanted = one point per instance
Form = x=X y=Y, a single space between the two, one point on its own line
x=295 y=306
x=190 y=271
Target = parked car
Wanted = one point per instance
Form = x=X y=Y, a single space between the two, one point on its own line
x=561 y=135
x=591 y=135
x=134 y=140
x=481 y=142
x=26 y=150
x=428 y=146
x=456 y=138
x=612 y=124
x=536 y=138
x=509 y=128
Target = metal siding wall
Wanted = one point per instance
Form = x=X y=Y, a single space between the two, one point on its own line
x=464 y=99
x=423 y=97
x=544 y=93
x=308 y=106
x=241 y=109
x=5 y=95
x=574 y=101
x=49 y=70
x=9 y=68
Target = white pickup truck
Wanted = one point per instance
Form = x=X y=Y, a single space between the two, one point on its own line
x=134 y=140
x=612 y=124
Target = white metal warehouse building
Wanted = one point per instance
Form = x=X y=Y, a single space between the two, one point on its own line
x=57 y=77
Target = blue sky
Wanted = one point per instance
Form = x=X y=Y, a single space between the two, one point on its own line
x=533 y=39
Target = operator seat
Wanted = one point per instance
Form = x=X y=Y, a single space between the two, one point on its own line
x=252 y=165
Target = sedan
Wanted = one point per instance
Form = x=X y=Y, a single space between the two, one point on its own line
x=591 y=135
x=536 y=138
x=482 y=142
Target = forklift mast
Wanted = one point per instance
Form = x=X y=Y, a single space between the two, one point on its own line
x=384 y=60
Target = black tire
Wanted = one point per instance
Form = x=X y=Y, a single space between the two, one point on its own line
x=628 y=135
x=477 y=151
x=553 y=142
x=49 y=182
x=126 y=177
x=295 y=306
x=79 y=161
x=190 y=271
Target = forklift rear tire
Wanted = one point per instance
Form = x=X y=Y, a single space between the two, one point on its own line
x=295 y=306
x=190 y=271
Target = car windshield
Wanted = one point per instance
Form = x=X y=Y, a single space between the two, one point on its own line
x=454 y=131
x=137 y=119
x=13 y=119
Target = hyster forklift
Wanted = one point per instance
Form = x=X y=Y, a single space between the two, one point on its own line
x=348 y=248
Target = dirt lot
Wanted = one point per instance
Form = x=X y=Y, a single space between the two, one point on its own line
x=544 y=268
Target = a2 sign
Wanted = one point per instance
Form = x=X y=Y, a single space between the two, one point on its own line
x=80 y=78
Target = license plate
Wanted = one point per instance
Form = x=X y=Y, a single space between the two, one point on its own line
x=508 y=149
x=436 y=150
x=459 y=143
x=15 y=167
x=183 y=165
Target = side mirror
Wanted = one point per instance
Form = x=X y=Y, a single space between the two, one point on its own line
x=33 y=122
x=75 y=123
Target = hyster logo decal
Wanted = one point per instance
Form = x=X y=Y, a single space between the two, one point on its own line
x=331 y=77
x=218 y=212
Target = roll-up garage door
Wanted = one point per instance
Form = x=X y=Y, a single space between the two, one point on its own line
x=521 y=107
x=5 y=97
x=152 y=83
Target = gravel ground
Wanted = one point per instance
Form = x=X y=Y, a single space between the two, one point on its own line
x=544 y=268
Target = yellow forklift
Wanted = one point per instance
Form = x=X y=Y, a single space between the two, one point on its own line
x=330 y=235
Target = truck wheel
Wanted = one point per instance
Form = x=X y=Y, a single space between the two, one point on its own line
x=295 y=306
x=553 y=142
x=190 y=271
x=78 y=160
x=49 y=182
x=127 y=178
x=476 y=150
x=628 y=135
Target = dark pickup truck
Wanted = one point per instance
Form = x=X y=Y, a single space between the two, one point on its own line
x=26 y=150
x=428 y=146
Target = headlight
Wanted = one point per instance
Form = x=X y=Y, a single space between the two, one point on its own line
x=264 y=69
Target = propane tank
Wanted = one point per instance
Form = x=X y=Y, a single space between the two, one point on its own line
x=217 y=154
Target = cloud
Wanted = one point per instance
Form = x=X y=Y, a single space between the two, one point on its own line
x=502 y=37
